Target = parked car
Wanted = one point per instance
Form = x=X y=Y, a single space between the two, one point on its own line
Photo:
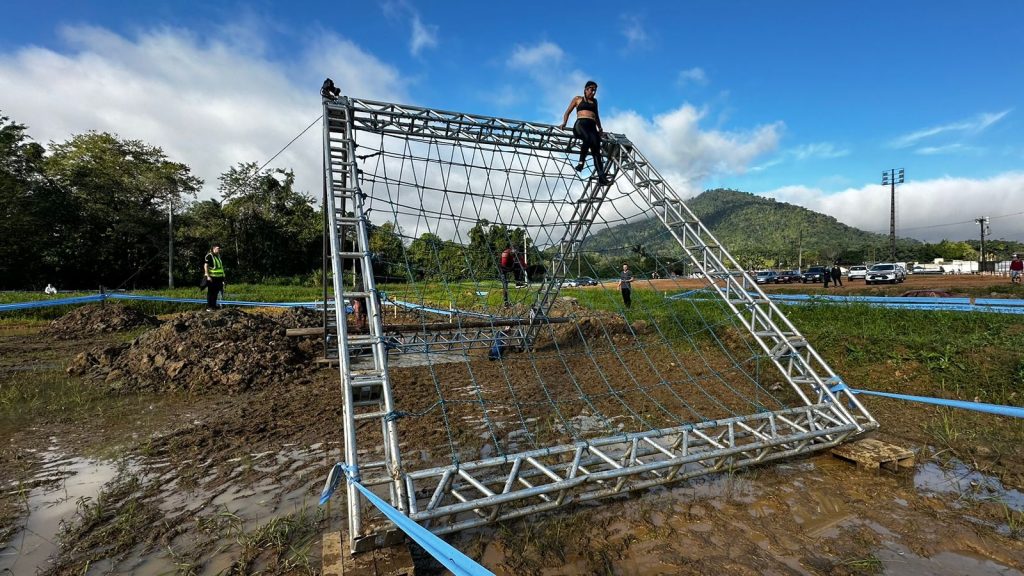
x=932 y=269
x=789 y=276
x=815 y=274
x=581 y=281
x=765 y=277
x=885 y=272
x=857 y=273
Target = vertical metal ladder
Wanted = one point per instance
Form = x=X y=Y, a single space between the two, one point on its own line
x=366 y=389
x=578 y=226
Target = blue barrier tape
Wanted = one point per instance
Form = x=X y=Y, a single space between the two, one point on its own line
x=995 y=305
x=53 y=302
x=145 y=298
x=445 y=553
x=422 y=308
x=1013 y=411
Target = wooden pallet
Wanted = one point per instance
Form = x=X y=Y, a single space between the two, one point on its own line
x=875 y=454
x=338 y=561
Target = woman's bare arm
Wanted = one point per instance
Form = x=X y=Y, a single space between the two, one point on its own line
x=572 y=104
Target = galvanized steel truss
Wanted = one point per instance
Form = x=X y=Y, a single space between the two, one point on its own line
x=456 y=497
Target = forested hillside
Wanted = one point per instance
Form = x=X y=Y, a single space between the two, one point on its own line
x=761 y=232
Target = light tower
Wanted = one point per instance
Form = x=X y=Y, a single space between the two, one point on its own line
x=892 y=177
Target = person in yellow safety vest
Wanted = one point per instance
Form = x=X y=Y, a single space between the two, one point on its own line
x=213 y=273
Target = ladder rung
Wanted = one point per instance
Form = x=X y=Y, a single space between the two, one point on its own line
x=370 y=415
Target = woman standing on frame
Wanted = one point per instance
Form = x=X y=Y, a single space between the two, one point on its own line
x=588 y=129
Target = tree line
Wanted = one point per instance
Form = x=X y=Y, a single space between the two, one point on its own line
x=101 y=210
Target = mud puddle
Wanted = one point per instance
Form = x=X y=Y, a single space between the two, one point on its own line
x=51 y=499
x=213 y=524
x=814 y=516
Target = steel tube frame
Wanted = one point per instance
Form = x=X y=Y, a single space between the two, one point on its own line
x=467 y=494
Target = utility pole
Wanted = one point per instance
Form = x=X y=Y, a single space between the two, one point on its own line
x=983 y=224
x=170 y=244
x=892 y=177
x=800 y=250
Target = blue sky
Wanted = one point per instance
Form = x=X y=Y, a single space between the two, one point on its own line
x=807 y=102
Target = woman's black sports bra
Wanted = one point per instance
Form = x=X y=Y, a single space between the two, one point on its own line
x=585 y=106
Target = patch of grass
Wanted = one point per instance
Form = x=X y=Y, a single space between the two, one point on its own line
x=286 y=542
x=864 y=565
x=50 y=393
x=1014 y=521
x=122 y=516
x=530 y=546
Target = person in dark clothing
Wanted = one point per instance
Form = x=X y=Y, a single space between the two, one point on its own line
x=837 y=275
x=588 y=129
x=826 y=275
x=626 y=285
x=329 y=90
x=213 y=274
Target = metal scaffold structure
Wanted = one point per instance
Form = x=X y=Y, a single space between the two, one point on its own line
x=570 y=405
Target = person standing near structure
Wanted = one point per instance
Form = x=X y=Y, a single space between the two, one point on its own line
x=588 y=129
x=507 y=265
x=837 y=275
x=213 y=274
x=1016 y=267
x=626 y=285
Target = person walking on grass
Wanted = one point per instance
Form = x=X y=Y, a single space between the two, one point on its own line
x=625 y=285
x=213 y=275
x=826 y=275
x=1016 y=267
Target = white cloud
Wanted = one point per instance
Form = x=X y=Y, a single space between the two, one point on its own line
x=546 y=66
x=970 y=126
x=634 y=31
x=929 y=210
x=423 y=36
x=823 y=150
x=686 y=154
x=542 y=55
x=694 y=75
x=207 y=103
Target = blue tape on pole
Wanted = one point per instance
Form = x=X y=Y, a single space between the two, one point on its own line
x=443 y=552
x=1012 y=411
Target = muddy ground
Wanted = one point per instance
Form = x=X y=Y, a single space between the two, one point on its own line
x=125 y=475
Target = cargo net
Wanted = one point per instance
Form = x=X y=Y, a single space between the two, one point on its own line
x=443 y=213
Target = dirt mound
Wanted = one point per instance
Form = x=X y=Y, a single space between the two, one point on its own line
x=224 y=351
x=93 y=319
x=301 y=318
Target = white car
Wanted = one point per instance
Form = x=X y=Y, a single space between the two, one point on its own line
x=857 y=273
x=891 y=273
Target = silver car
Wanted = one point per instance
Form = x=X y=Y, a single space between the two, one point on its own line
x=857 y=273
x=885 y=273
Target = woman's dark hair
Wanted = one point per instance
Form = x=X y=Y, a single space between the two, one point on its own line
x=589 y=84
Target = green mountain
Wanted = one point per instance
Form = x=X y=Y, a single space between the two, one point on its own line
x=757 y=231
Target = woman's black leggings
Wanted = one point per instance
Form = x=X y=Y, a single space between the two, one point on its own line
x=586 y=130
